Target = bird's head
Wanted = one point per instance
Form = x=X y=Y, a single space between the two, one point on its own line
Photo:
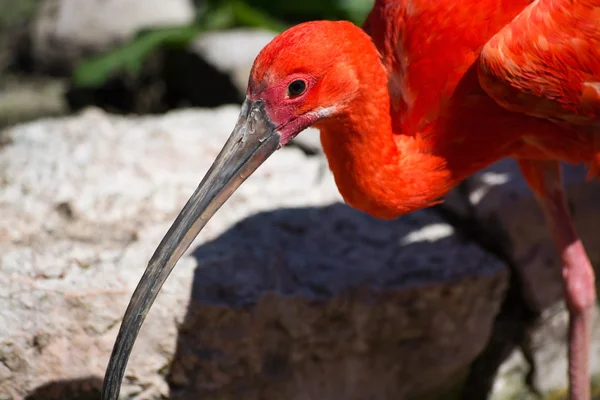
x=307 y=75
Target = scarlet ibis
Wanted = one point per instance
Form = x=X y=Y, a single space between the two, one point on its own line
x=427 y=93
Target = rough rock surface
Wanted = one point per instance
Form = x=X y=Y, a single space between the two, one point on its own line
x=372 y=309
x=59 y=40
x=537 y=369
x=498 y=198
x=85 y=200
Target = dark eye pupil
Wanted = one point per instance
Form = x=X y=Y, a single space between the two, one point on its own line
x=296 y=88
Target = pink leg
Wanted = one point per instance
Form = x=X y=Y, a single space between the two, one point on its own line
x=545 y=179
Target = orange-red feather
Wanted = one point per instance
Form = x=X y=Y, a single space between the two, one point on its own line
x=428 y=46
x=546 y=63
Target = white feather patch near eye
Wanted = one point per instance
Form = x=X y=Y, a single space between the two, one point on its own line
x=324 y=112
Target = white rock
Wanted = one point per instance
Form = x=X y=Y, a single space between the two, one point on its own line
x=84 y=201
x=500 y=199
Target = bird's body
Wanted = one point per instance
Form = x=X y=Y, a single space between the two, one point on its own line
x=428 y=93
x=437 y=105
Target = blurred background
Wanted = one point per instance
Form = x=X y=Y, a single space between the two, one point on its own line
x=139 y=56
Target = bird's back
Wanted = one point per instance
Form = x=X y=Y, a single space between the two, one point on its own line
x=428 y=46
x=432 y=49
x=546 y=62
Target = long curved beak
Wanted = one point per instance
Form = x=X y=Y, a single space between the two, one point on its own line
x=252 y=141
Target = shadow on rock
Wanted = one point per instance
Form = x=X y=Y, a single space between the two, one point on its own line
x=73 y=389
x=329 y=303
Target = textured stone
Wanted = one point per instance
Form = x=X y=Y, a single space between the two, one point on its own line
x=287 y=276
x=330 y=303
x=84 y=202
x=546 y=347
x=538 y=369
x=498 y=198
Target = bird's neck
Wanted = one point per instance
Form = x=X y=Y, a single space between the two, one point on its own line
x=382 y=173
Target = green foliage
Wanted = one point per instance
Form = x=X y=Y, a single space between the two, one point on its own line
x=215 y=15
x=299 y=11
x=130 y=57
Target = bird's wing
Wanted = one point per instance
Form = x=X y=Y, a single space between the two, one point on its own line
x=428 y=46
x=546 y=62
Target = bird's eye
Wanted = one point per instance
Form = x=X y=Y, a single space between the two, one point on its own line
x=296 y=88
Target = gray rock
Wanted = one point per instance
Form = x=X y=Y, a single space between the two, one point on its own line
x=330 y=303
x=27 y=99
x=539 y=368
x=546 y=347
x=284 y=276
x=498 y=197
x=66 y=30
x=84 y=202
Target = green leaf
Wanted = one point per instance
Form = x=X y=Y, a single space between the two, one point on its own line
x=245 y=15
x=357 y=10
x=131 y=56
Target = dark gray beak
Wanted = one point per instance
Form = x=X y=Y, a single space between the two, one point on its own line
x=252 y=141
